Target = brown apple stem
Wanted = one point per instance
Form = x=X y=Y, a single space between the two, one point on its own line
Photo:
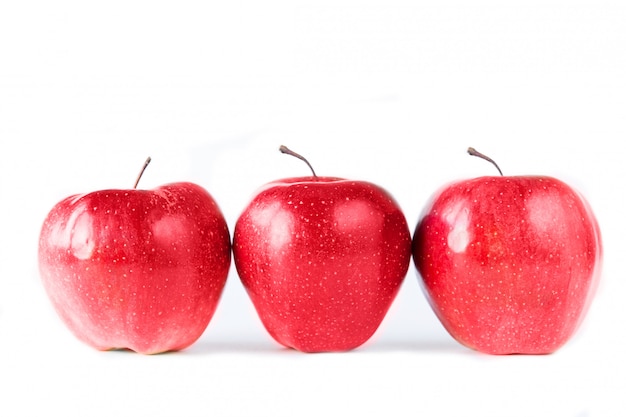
x=474 y=152
x=288 y=151
x=145 y=165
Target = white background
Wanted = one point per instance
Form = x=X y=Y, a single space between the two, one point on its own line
x=387 y=91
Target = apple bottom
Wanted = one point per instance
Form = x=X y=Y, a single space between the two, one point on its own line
x=509 y=330
x=149 y=313
x=331 y=314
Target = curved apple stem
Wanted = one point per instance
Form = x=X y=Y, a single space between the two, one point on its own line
x=288 y=151
x=474 y=152
x=145 y=165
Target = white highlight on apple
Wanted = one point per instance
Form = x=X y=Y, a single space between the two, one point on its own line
x=458 y=218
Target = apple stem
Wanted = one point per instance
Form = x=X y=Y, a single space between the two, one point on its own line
x=288 y=151
x=145 y=165
x=474 y=152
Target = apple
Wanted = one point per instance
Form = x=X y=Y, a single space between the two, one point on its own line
x=509 y=264
x=322 y=259
x=136 y=269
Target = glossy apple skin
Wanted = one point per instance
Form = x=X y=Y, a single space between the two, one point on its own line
x=509 y=264
x=322 y=259
x=136 y=269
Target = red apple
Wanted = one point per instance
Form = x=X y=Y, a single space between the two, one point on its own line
x=322 y=259
x=136 y=269
x=509 y=264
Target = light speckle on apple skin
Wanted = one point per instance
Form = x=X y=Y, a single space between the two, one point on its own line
x=509 y=266
x=322 y=268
